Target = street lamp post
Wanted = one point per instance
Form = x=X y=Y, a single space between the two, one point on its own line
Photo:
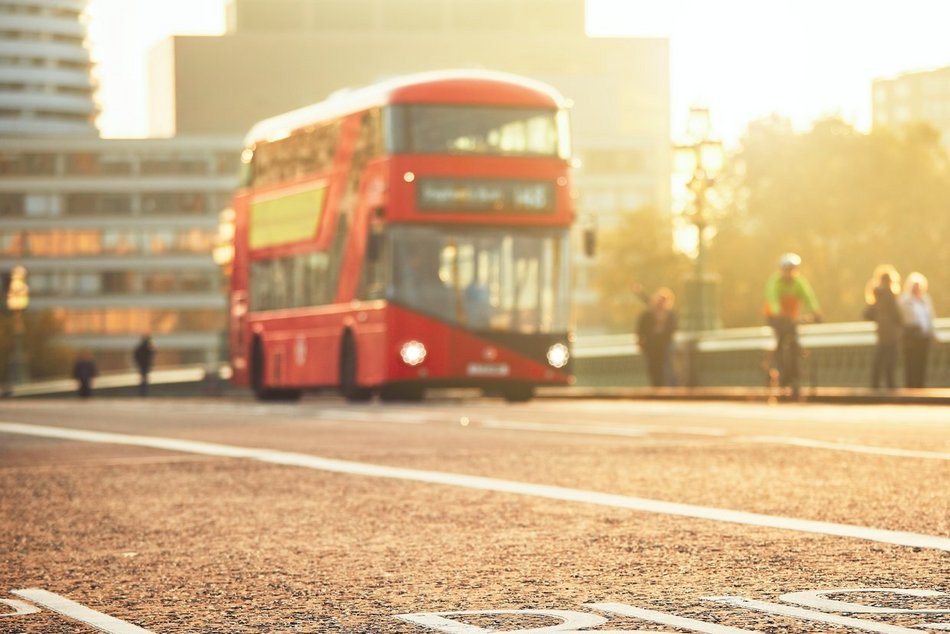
x=701 y=158
x=18 y=298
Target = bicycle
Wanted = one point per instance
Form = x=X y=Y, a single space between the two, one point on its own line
x=784 y=369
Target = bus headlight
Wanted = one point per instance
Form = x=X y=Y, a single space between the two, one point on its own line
x=413 y=353
x=558 y=355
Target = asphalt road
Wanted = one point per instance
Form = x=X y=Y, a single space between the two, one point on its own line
x=468 y=517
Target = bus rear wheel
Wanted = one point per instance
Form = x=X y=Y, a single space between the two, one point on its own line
x=261 y=392
x=349 y=387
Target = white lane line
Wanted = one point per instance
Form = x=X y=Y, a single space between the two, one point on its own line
x=837 y=446
x=77 y=612
x=598 y=429
x=594 y=430
x=900 y=538
x=637 y=431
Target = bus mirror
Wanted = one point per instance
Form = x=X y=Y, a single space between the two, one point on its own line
x=590 y=242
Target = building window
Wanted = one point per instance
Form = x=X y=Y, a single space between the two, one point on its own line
x=11 y=205
x=175 y=203
x=27 y=164
x=42 y=205
x=83 y=164
x=121 y=321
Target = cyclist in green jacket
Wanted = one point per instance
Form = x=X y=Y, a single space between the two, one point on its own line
x=785 y=294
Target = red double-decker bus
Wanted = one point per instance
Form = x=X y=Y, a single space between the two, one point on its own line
x=409 y=235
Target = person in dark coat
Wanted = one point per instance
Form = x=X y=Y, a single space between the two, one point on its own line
x=655 y=330
x=882 y=308
x=144 y=355
x=84 y=371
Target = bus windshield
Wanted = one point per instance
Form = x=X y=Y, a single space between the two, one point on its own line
x=432 y=129
x=483 y=279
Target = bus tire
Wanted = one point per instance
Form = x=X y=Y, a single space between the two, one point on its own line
x=402 y=393
x=519 y=394
x=349 y=387
x=261 y=392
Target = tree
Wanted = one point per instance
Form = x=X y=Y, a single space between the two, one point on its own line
x=638 y=251
x=45 y=359
x=844 y=200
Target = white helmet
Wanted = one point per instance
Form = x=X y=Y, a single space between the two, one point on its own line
x=789 y=261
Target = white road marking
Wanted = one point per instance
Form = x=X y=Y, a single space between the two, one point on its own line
x=488 y=484
x=601 y=430
x=598 y=429
x=77 y=612
x=667 y=619
x=19 y=607
x=571 y=622
x=812 y=615
x=818 y=600
x=837 y=446
x=639 y=431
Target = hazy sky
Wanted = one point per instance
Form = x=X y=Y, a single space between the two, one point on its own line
x=743 y=58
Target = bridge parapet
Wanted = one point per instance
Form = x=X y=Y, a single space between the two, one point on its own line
x=836 y=354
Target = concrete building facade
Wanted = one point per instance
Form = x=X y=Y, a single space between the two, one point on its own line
x=920 y=96
x=117 y=236
x=45 y=85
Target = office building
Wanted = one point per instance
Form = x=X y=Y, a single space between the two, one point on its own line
x=914 y=97
x=45 y=85
x=117 y=235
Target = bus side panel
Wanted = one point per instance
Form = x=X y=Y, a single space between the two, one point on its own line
x=306 y=349
x=302 y=347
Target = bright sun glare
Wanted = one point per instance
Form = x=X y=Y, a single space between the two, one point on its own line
x=802 y=59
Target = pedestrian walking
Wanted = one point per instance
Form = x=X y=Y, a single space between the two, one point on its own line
x=655 y=330
x=917 y=312
x=144 y=355
x=84 y=371
x=881 y=296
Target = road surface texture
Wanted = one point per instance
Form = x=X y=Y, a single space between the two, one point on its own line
x=472 y=516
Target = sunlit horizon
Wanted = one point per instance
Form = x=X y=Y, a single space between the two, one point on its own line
x=744 y=59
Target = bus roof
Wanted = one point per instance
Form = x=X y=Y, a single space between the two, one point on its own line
x=443 y=87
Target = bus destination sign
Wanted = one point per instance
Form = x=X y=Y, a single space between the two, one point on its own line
x=485 y=196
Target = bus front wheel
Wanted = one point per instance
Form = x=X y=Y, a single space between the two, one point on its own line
x=349 y=387
x=519 y=394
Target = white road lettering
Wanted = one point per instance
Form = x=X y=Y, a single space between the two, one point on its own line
x=818 y=600
x=811 y=615
x=439 y=621
x=77 y=612
x=19 y=607
x=489 y=484
x=666 y=619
